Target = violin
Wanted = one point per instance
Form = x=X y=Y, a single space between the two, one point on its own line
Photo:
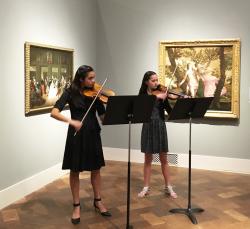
x=163 y=89
x=102 y=96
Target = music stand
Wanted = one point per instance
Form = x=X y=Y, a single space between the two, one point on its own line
x=188 y=109
x=127 y=110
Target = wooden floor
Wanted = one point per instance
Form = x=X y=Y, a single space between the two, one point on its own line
x=224 y=196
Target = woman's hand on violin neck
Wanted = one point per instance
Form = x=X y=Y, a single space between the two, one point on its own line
x=76 y=124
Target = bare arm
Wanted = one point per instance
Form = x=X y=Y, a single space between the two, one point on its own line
x=56 y=114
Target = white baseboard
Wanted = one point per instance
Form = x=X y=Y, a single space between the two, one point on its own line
x=29 y=185
x=223 y=164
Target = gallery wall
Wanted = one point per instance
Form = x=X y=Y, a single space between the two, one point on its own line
x=120 y=39
x=29 y=145
x=128 y=39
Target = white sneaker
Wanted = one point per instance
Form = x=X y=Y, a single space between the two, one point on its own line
x=144 y=192
x=169 y=191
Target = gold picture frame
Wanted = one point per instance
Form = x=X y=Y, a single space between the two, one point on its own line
x=204 y=68
x=48 y=70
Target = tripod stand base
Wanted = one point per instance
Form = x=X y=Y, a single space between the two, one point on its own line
x=188 y=212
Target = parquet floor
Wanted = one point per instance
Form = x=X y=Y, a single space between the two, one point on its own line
x=224 y=196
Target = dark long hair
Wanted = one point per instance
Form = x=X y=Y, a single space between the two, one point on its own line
x=146 y=77
x=80 y=75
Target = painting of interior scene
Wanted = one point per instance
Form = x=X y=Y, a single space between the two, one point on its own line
x=50 y=73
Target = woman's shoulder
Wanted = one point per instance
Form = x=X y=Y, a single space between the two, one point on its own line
x=69 y=91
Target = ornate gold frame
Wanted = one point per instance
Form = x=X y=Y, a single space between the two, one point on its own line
x=235 y=44
x=28 y=109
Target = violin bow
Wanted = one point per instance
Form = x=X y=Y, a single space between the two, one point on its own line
x=92 y=103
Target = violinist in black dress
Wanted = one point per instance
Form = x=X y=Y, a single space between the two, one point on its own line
x=83 y=152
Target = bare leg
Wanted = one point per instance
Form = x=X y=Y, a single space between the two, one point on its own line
x=165 y=168
x=147 y=172
x=166 y=175
x=74 y=186
x=96 y=184
x=147 y=168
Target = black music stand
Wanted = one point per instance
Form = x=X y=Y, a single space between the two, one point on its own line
x=127 y=110
x=188 y=109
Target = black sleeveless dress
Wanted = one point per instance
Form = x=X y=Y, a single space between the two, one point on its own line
x=83 y=152
x=154 y=137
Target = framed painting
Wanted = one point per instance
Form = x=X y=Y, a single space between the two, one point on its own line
x=205 y=68
x=48 y=71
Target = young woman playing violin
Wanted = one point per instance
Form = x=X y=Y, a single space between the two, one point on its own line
x=154 y=134
x=83 y=152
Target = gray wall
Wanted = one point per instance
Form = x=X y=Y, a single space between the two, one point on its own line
x=29 y=145
x=119 y=38
x=128 y=36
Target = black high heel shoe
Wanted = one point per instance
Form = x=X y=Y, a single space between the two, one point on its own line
x=106 y=213
x=76 y=220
